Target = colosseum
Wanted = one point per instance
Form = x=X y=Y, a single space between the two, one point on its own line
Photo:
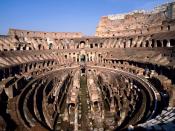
x=122 y=78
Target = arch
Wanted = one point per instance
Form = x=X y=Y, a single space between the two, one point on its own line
x=30 y=66
x=91 y=45
x=168 y=28
x=101 y=45
x=153 y=43
x=30 y=48
x=141 y=45
x=96 y=45
x=131 y=42
x=50 y=46
x=172 y=42
x=159 y=44
x=124 y=44
x=24 y=47
x=39 y=46
x=78 y=46
x=82 y=44
x=83 y=70
x=165 y=43
x=72 y=104
x=83 y=58
x=147 y=44
x=26 y=67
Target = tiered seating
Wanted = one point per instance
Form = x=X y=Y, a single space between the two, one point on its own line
x=164 y=121
x=63 y=81
x=135 y=23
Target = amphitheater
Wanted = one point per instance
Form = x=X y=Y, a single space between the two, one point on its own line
x=122 y=78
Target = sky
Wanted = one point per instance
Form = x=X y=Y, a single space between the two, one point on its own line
x=64 y=15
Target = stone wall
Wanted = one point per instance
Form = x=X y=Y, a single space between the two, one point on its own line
x=136 y=22
x=26 y=33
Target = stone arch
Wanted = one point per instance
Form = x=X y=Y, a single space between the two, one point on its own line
x=168 y=28
x=82 y=58
x=91 y=45
x=39 y=47
x=101 y=45
x=96 y=45
x=30 y=66
x=172 y=42
x=131 y=41
x=141 y=45
x=50 y=46
x=26 y=67
x=147 y=44
x=82 y=44
x=165 y=42
x=124 y=44
x=159 y=44
x=153 y=43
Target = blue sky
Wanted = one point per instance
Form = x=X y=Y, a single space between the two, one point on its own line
x=64 y=15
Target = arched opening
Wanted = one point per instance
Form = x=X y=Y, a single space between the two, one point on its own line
x=74 y=59
x=39 y=46
x=83 y=58
x=101 y=45
x=24 y=48
x=26 y=67
x=82 y=44
x=141 y=45
x=50 y=46
x=30 y=67
x=159 y=44
x=124 y=44
x=78 y=46
x=153 y=42
x=77 y=57
x=96 y=104
x=131 y=40
x=172 y=42
x=83 y=71
x=91 y=58
x=91 y=45
x=72 y=107
x=147 y=43
x=168 y=27
x=165 y=43
x=30 y=48
x=96 y=45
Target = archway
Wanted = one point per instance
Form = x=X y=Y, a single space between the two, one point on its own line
x=172 y=42
x=82 y=44
x=82 y=58
x=159 y=44
x=165 y=43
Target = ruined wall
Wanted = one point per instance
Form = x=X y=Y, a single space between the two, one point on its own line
x=138 y=22
x=25 y=33
x=131 y=72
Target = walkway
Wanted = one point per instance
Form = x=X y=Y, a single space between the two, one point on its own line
x=83 y=101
